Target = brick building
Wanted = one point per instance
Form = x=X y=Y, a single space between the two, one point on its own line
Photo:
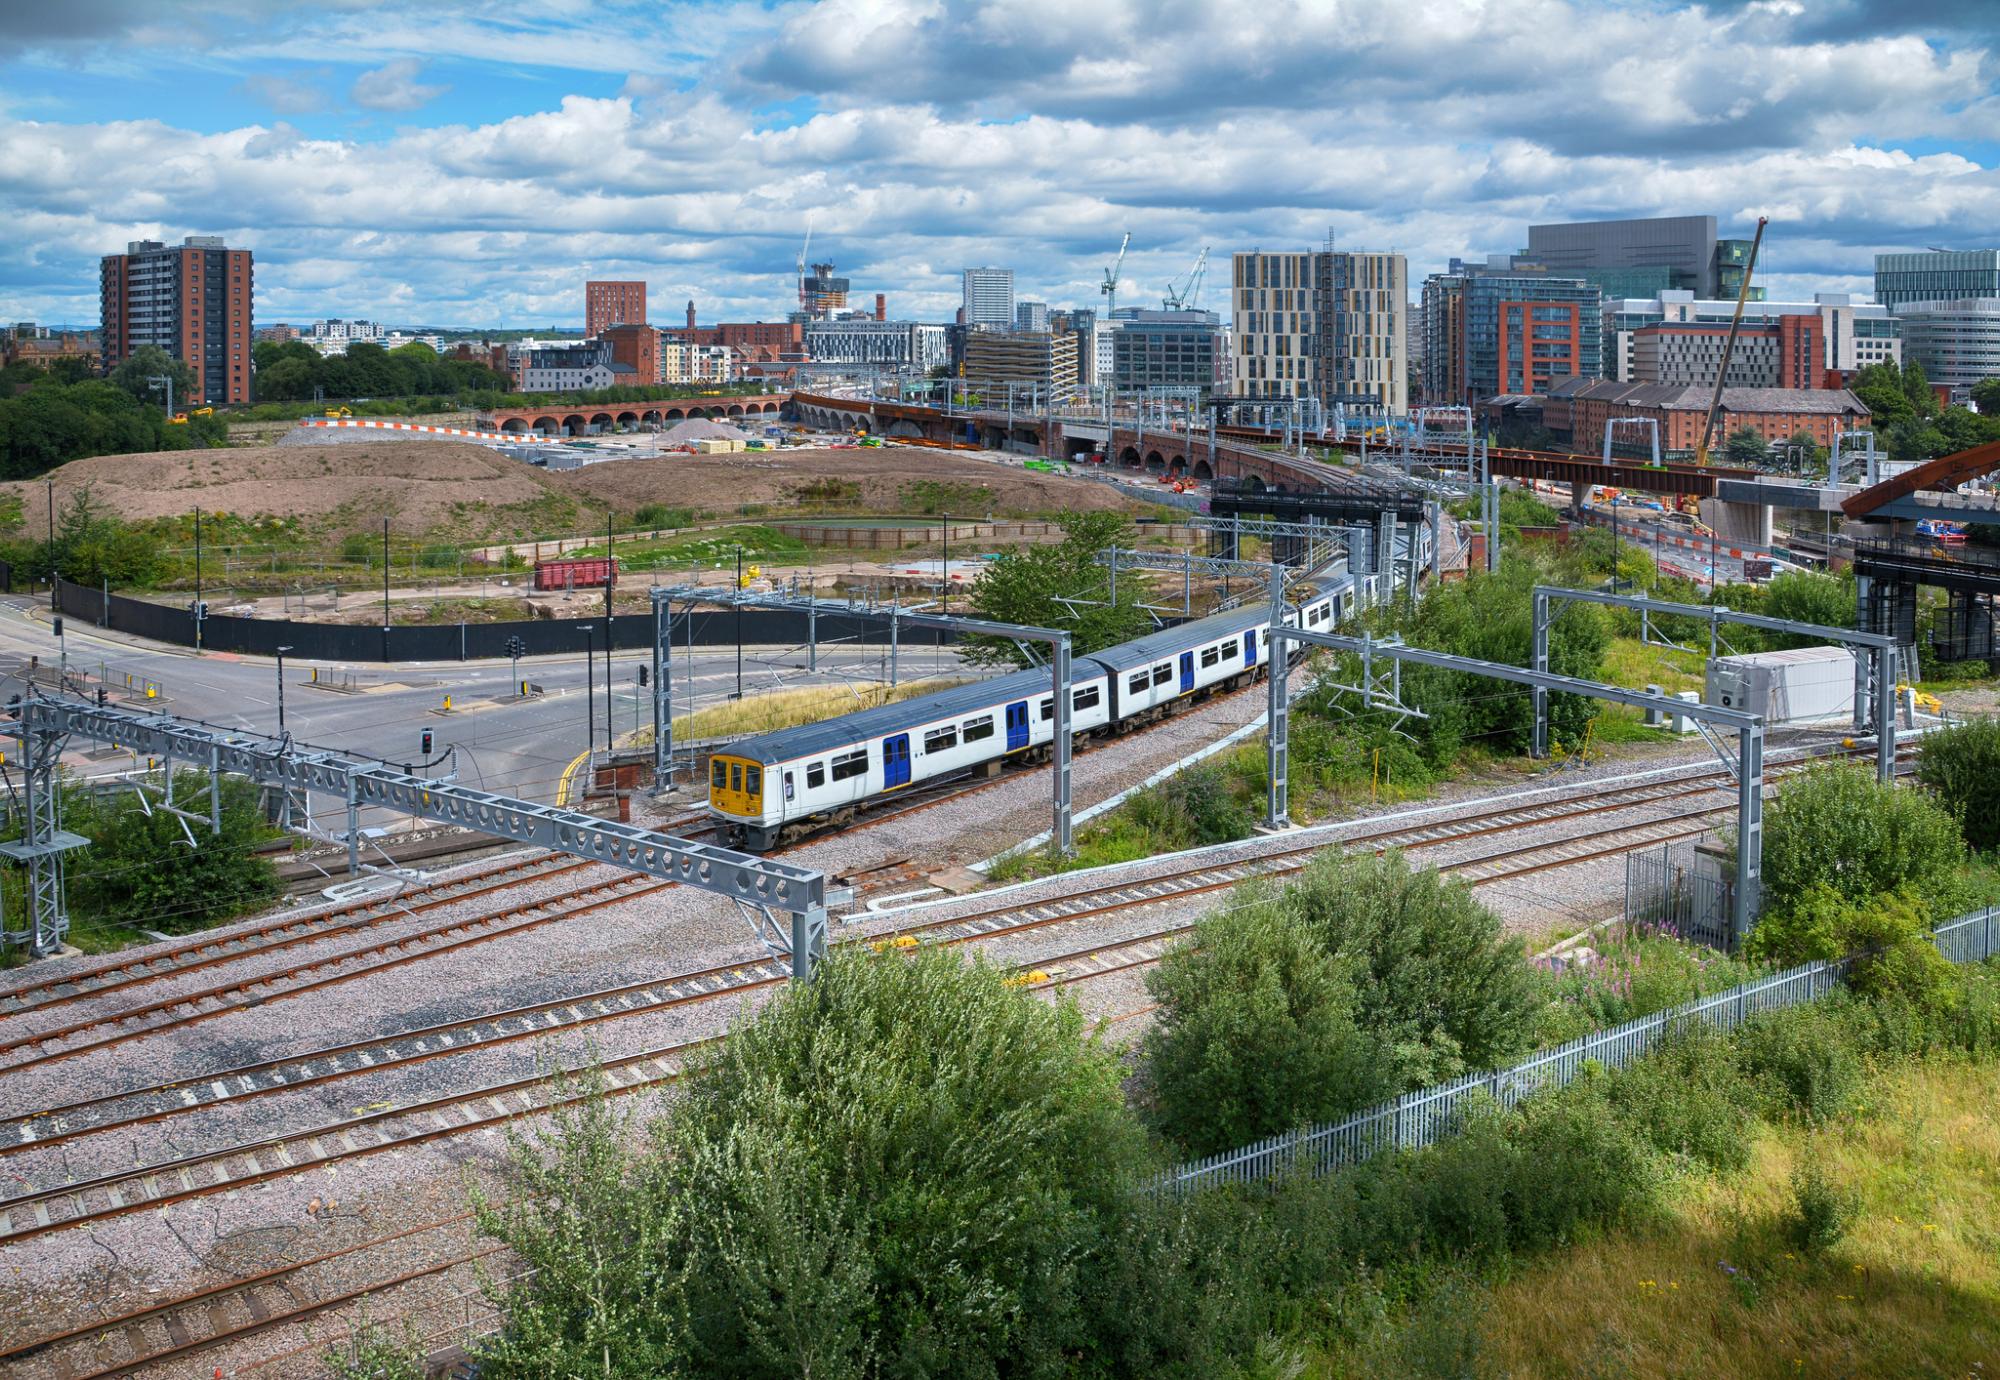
x=1789 y=352
x=750 y=342
x=193 y=300
x=637 y=348
x=608 y=304
x=1579 y=408
x=27 y=343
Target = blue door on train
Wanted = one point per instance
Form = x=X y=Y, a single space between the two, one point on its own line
x=1017 y=725
x=896 y=761
x=1250 y=648
x=1187 y=672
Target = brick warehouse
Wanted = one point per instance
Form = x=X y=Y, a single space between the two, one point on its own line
x=1579 y=408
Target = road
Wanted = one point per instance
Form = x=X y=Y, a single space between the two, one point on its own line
x=509 y=746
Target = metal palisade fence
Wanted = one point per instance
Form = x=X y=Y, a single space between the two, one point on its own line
x=1427 y=1115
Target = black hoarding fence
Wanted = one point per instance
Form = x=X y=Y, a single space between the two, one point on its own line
x=174 y=623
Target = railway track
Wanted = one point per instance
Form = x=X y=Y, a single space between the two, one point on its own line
x=210 y=950
x=283 y=1295
x=346 y=965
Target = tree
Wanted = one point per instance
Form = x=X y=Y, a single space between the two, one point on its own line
x=1255 y=1034
x=1835 y=832
x=1917 y=388
x=1986 y=397
x=906 y=1167
x=150 y=361
x=1747 y=447
x=1809 y=596
x=1807 y=453
x=142 y=863
x=1880 y=388
x=1960 y=765
x=1031 y=588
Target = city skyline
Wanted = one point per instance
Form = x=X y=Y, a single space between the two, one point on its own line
x=377 y=171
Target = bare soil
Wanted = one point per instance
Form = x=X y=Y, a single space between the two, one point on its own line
x=887 y=481
x=427 y=486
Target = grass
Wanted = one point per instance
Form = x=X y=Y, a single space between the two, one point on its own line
x=1635 y=665
x=790 y=708
x=1913 y=1290
x=715 y=548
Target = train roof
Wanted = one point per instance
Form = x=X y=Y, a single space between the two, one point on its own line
x=790 y=744
x=1171 y=641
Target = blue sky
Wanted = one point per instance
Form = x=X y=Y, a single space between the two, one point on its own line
x=458 y=163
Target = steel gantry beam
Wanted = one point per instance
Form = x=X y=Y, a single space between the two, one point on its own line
x=1748 y=767
x=758 y=883
x=1876 y=648
x=897 y=617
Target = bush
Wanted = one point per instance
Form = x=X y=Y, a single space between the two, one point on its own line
x=1836 y=829
x=1194 y=807
x=1690 y=1099
x=905 y=1166
x=654 y=516
x=1580 y=1165
x=141 y=862
x=1804 y=1060
x=1961 y=766
x=1822 y=1210
x=1437 y=980
x=1255 y=1034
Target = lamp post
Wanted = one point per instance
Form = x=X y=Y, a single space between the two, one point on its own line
x=281 y=690
x=739 y=625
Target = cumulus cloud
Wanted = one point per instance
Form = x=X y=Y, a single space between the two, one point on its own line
x=394 y=87
x=920 y=135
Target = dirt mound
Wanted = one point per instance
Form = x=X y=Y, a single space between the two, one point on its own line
x=418 y=485
x=883 y=481
x=701 y=429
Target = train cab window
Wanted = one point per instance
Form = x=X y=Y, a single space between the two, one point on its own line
x=1085 y=698
x=815 y=775
x=1138 y=684
x=941 y=739
x=753 y=781
x=735 y=776
x=1163 y=673
x=981 y=727
x=1210 y=656
x=1316 y=614
x=1048 y=708
x=850 y=765
x=718 y=776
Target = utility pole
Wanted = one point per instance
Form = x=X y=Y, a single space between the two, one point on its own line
x=739 y=624
x=610 y=584
x=385 y=589
x=589 y=688
x=281 y=690
x=197 y=580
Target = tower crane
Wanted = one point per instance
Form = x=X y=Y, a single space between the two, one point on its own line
x=1109 y=287
x=1188 y=297
x=804 y=250
x=1729 y=345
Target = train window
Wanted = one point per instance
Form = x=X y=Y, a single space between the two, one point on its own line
x=849 y=765
x=1085 y=698
x=1163 y=673
x=735 y=776
x=981 y=727
x=941 y=739
x=1048 y=708
x=753 y=781
x=1210 y=655
x=1139 y=683
x=789 y=786
x=815 y=775
x=718 y=775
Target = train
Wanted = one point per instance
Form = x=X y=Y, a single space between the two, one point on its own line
x=775 y=788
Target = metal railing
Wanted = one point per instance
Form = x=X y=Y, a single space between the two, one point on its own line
x=1427 y=1115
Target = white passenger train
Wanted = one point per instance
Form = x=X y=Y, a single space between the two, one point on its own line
x=775 y=787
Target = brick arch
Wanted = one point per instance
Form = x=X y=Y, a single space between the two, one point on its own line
x=1203 y=472
x=735 y=410
x=514 y=426
x=1155 y=462
x=548 y=424
x=600 y=419
x=1129 y=456
x=674 y=414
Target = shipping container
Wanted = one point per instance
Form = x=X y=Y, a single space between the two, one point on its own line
x=584 y=572
x=1796 y=686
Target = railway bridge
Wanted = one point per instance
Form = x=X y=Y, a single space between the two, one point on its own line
x=573 y=420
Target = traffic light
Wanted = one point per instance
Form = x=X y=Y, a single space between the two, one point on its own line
x=57 y=623
x=427 y=742
x=645 y=677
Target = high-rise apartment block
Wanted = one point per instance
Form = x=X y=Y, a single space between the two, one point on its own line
x=607 y=304
x=1031 y=316
x=1936 y=275
x=989 y=297
x=1507 y=326
x=1852 y=334
x=193 y=300
x=1165 y=349
x=1331 y=324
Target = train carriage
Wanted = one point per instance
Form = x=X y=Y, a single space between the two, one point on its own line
x=765 y=789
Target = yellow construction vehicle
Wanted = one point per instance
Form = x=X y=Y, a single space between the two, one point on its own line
x=202 y=412
x=178 y=419
x=1729 y=345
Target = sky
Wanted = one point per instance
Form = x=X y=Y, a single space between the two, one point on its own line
x=472 y=164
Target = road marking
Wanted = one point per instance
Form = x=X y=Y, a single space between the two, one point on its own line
x=563 y=785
